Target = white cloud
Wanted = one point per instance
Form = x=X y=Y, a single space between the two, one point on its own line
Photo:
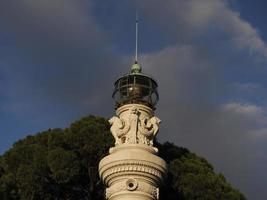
x=191 y=18
x=244 y=109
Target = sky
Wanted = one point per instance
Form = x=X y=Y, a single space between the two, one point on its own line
x=59 y=60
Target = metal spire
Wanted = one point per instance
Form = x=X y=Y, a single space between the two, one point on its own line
x=136 y=38
x=136 y=67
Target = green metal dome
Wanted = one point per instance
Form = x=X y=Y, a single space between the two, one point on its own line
x=136 y=68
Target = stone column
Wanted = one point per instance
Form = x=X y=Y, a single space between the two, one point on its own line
x=132 y=170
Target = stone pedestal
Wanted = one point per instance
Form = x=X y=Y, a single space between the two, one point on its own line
x=132 y=170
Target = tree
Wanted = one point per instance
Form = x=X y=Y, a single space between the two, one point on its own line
x=62 y=164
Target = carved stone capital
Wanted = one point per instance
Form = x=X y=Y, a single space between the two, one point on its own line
x=134 y=124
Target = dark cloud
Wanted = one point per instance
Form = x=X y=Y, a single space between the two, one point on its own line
x=63 y=56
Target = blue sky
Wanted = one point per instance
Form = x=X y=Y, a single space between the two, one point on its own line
x=59 y=60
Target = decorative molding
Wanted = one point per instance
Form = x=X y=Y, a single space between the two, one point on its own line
x=131 y=166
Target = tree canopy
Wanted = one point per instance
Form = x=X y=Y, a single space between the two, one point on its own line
x=63 y=164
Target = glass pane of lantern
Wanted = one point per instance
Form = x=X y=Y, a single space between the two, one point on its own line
x=154 y=98
x=135 y=91
x=130 y=79
x=123 y=91
x=145 y=91
x=123 y=81
x=116 y=96
x=154 y=85
x=142 y=80
x=146 y=98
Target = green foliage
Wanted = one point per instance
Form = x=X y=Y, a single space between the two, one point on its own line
x=192 y=178
x=195 y=179
x=62 y=164
x=57 y=164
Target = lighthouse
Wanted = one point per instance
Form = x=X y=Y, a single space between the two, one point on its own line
x=133 y=170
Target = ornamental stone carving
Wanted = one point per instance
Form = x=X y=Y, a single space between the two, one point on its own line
x=119 y=129
x=134 y=125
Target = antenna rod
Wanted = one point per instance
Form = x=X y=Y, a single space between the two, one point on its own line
x=136 y=37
